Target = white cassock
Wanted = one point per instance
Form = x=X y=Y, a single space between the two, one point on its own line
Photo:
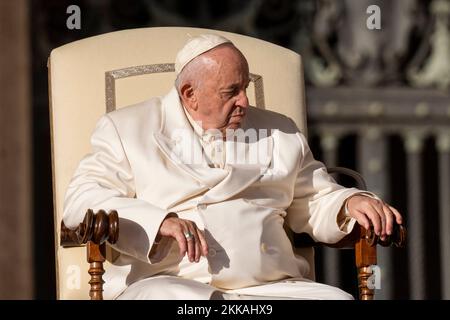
x=147 y=161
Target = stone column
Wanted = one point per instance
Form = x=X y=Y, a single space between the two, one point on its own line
x=416 y=234
x=16 y=257
x=443 y=147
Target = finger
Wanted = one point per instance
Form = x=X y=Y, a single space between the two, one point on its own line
x=181 y=240
x=190 y=245
x=197 y=249
x=398 y=216
x=363 y=220
x=379 y=207
x=203 y=243
x=374 y=217
x=389 y=219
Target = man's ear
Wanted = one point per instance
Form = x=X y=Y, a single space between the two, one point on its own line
x=188 y=96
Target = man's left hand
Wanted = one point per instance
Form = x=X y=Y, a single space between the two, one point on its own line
x=367 y=210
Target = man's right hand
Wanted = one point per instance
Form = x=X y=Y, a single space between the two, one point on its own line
x=181 y=230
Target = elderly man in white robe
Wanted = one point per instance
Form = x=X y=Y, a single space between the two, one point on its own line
x=206 y=186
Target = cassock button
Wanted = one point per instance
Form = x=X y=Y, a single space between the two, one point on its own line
x=202 y=206
x=211 y=252
x=263 y=247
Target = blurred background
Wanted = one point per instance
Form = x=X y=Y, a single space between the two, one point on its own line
x=378 y=101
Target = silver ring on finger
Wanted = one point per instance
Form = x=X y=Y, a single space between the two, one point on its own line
x=189 y=236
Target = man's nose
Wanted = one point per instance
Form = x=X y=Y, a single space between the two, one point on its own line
x=242 y=100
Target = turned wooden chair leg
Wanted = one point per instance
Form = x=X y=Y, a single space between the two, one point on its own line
x=366 y=256
x=96 y=257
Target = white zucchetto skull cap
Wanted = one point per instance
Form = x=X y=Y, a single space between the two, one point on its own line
x=195 y=47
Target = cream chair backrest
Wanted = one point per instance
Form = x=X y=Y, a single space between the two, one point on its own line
x=99 y=74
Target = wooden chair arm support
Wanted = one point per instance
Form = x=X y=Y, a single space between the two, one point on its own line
x=397 y=239
x=363 y=241
x=96 y=227
x=95 y=230
x=359 y=180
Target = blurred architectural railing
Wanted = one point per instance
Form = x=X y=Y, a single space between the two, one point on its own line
x=373 y=115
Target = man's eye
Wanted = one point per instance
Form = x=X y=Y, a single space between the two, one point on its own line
x=227 y=94
x=230 y=93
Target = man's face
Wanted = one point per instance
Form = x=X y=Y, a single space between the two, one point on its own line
x=220 y=97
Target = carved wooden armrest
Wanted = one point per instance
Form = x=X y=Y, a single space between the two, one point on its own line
x=95 y=230
x=363 y=241
x=396 y=239
x=398 y=236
